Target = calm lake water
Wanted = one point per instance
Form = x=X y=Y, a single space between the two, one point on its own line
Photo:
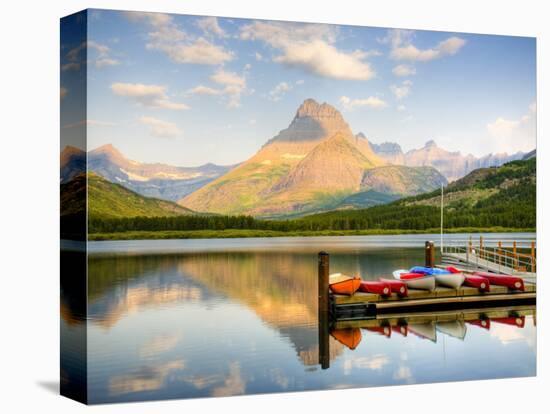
x=203 y=318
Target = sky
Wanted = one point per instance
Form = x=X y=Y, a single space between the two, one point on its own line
x=188 y=90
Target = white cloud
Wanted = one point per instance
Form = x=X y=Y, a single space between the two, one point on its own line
x=89 y=122
x=258 y=56
x=311 y=48
x=300 y=82
x=159 y=128
x=404 y=70
x=279 y=91
x=98 y=55
x=232 y=87
x=210 y=26
x=205 y=90
x=401 y=108
x=100 y=63
x=402 y=47
x=403 y=90
x=178 y=45
x=371 y=102
x=153 y=96
x=200 y=51
x=228 y=78
x=512 y=135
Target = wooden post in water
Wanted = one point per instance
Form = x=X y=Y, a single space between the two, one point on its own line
x=533 y=258
x=323 y=310
x=430 y=254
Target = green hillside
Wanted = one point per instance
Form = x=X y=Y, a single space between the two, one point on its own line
x=107 y=200
x=502 y=196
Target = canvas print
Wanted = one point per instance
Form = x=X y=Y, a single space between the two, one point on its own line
x=253 y=206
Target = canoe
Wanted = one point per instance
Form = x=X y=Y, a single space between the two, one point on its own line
x=401 y=329
x=424 y=282
x=480 y=282
x=396 y=286
x=429 y=270
x=456 y=329
x=382 y=330
x=482 y=323
x=350 y=337
x=424 y=330
x=511 y=282
x=518 y=321
x=380 y=288
x=450 y=280
x=343 y=284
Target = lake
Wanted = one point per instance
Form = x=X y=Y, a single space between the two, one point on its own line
x=202 y=318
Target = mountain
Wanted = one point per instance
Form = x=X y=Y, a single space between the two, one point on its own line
x=109 y=200
x=312 y=165
x=72 y=163
x=453 y=165
x=398 y=179
x=151 y=180
x=390 y=151
x=530 y=154
x=502 y=196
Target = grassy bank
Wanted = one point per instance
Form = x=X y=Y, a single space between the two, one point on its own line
x=238 y=233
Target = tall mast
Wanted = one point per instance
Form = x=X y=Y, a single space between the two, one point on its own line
x=441 y=241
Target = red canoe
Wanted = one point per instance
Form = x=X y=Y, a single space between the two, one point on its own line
x=400 y=329
x=518 y=321
x=482 y=323
x=381 y=288
x=397 y=287
x=480 y=282
x=382 y=330
x=511 y=282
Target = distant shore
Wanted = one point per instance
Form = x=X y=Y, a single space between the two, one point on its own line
x=239 y=233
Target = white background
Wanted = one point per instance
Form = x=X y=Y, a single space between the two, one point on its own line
x=29 y=157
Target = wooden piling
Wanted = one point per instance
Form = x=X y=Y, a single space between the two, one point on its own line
x=323 y=310
x=429 y=254
x=533 y=258
x=323 y=299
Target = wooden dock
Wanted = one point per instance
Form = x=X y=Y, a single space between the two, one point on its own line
x=439 y=296
x=368 y=305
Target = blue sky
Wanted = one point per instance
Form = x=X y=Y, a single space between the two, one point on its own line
x=187 y=90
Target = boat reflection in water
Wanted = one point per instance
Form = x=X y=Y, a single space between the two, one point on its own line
x=428 y=326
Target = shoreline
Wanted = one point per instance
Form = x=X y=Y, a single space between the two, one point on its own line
x=240 y=233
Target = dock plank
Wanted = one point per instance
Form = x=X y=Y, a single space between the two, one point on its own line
x=440 y=293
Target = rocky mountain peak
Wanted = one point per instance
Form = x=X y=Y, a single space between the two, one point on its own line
x=313 y=122
x=430 y=144
x=312 y=109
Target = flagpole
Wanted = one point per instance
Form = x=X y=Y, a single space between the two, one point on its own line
x=441 y=241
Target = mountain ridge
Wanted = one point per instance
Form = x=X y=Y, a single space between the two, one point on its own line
x=314 y=163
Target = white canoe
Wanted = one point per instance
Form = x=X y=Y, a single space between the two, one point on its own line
x=450 y=280
x=426 y=282
x=456 y=329
x=424 y=330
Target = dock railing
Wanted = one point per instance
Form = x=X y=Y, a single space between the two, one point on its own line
x=510 y=257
